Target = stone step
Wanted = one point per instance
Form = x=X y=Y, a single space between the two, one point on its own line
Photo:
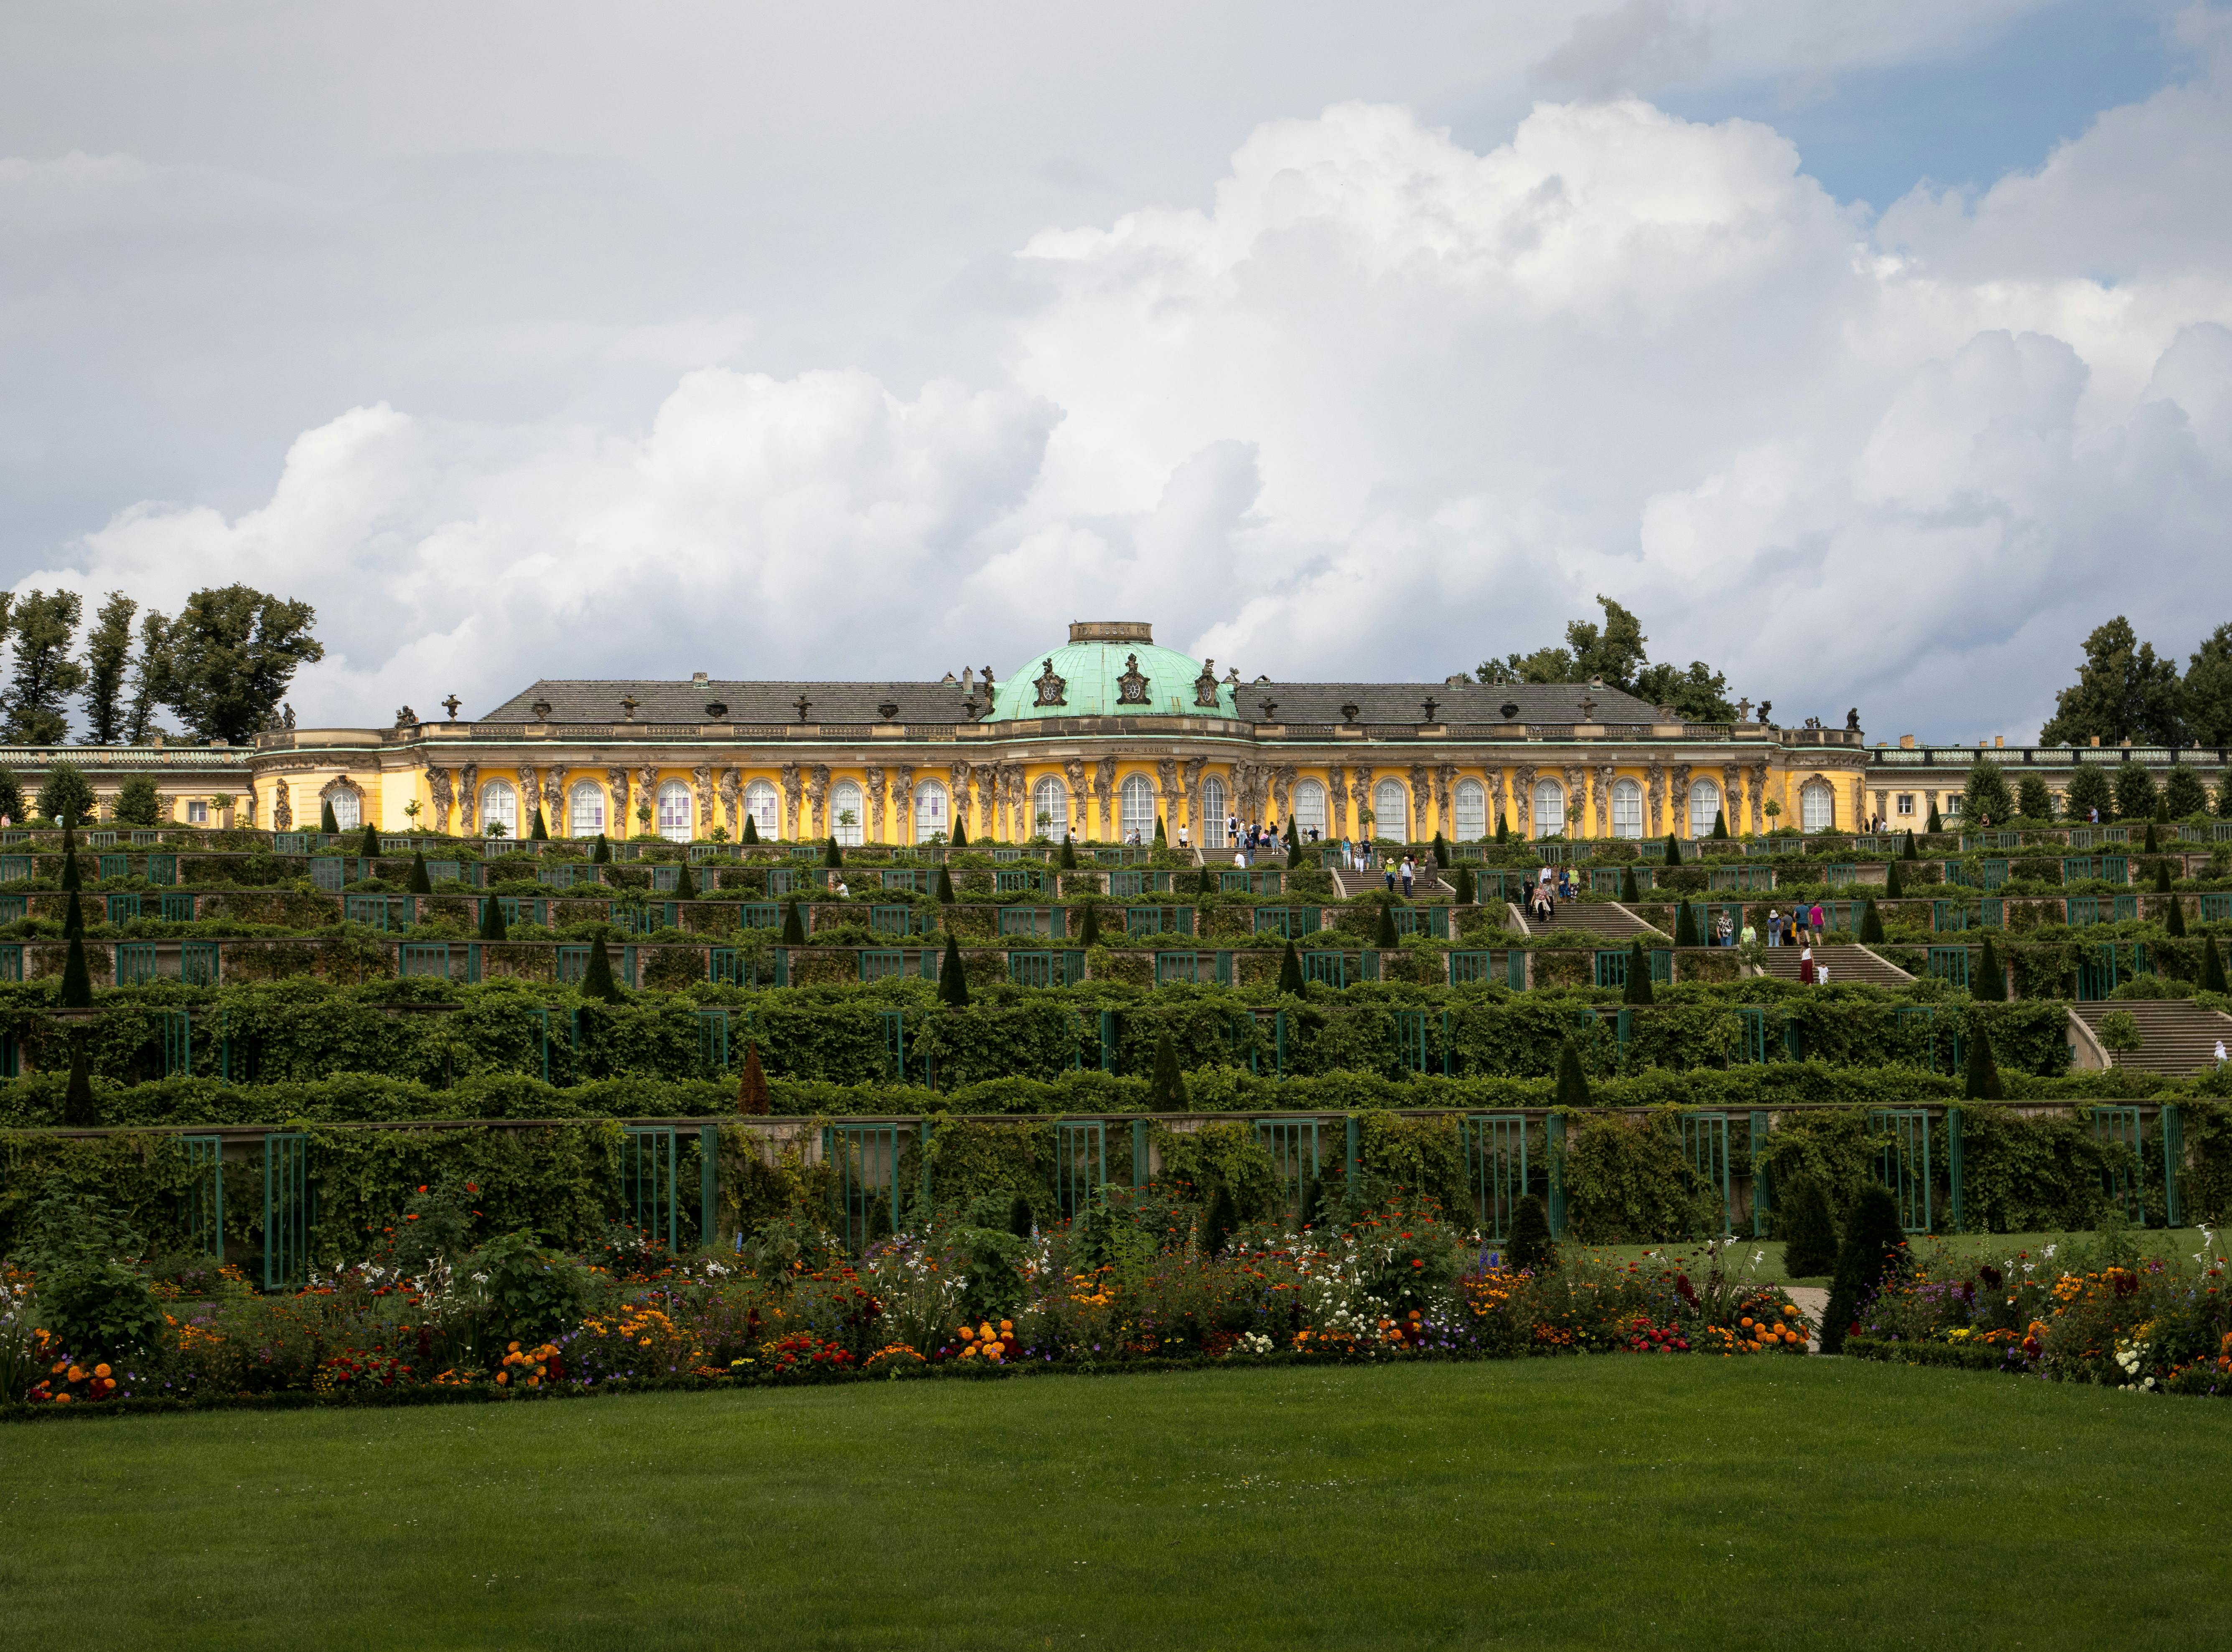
x=2176 y=1036
x=1848 y=966
x=1606 y=918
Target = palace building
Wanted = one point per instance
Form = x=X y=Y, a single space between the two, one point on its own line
x=1100 y=738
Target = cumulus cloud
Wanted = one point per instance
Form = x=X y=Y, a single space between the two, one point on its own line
x=1384 y=407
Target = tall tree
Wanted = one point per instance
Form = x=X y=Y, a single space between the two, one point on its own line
x=150 y=677
x=108 y=650
x=1699 y=694
x=231 y=653
x=2209 y=691
x=45 y=627
x=1615 y=651
x=1985 y=798
x=2123 y=692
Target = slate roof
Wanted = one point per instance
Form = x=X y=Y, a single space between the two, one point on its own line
x=1385 y=703
x=574 y=700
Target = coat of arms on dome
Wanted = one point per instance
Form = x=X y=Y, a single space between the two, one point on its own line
x=1204 y=686
x=1050 y=687
x=1132 y=686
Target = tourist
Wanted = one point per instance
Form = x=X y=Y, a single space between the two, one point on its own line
x=2220 y=1052
x=1182 y=845
x=1774 y=927
x=1749 y=934
x=1408 y=873
x=1821 y=974
x=844 y=893
x=1390 y=867
x=1815 y=926
x=1724 y=931
x=1806 y=967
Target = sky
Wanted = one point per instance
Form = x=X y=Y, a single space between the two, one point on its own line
x=1873 y=354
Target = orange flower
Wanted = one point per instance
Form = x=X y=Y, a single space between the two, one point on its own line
x=100 y=1370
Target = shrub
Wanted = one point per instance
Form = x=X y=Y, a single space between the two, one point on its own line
x=1986 y=796
x=751 y=829
x=327 y=824
x=1685 y=925
x=2090 y=789
x=1673 y=851
x=1167 y=1091
x=1935 y=825
x=1089 y=932
x=418 y=883
x=1980 y=1078
x=2135 y=792
x=944 y=886
x=600 y=853
x=1290 y=971
x=1021 y=1222
x=1530 y=1250
x=960 y=832
x=1638 y=975
x=138 y=803
x=753 y=1099
x=99 y=1309
x=2174 y=918
x=1872 y=927
x=793 y=925
x=1874 y=1249
x=2035 y=798
x=533 y=1292
x=1629 y=891
x=538 y=832
x=11 y=795
x=65 y=794
x=1382 y=933
x=1068 y=861
x=685 y=884
x=953 y=978
x=2212 y=962
x=1223 y=1220
x=1720 y=823
x=1573 y=1085
x=597 y=979
x=1809 y=1237
x=80 y=1110
x=1990 y=983
x=77 y=981
x=368 y=845
x=2119 y=1033
x=1468 y=892
x=491 y=919
x=1894 y=885
x=832 y=855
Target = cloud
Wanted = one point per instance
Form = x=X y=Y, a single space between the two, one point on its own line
x=1383 y=406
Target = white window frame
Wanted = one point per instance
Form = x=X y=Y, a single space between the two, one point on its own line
x=930 y=810
x=581 y=797
x=1049 y=798
x=1549 y=808
x=764 y=803
x=1704 y=804
x=1469 y=809
x=500 y=802
x=1309 y=810
x=1391 y=798
x=1212 y=811
x=348 y=809
x=1626 y=809
x=197 y=811
x=1906 y=804
x=847 y=795
x=1135 y=808
x=675 y=813
x=1809 y=817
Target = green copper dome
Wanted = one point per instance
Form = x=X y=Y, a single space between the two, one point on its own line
x=1110 y=668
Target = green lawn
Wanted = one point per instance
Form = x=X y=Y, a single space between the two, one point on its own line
x=1993 y=1247
x=1694 y=1502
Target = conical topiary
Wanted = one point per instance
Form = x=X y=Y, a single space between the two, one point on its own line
x=1290 y=971
x=1720 y=824
x=77 y=980
x=960 y=835
x=1910 y=852
x=2174 y=916
x=538 y=832
x=597 y=980
x=1088 y=933
x=1638 y=975
x=1210 y=884
x=752 y=1097
x=1980 y=1078
x=751 y=830
x=1673 y=850
x=1382 y=933
x=367 y=847
x=1441 y=848
x=491 y=919
x=1529 y=1249
x=1068 y=861
x=1685 y=924
x=73 y=879
x=685 y=884
x=1935 y=825
x=793 y=925
x=600 y=853
x=1808 y=1233
x=73 y=918
x=1572 y=1084
x=2212 y=968
x=1871 y=929
x=1167 y=1091
x=1894 y=884
x=944 y=886
x=418 y=883
x=1989 y=984
x=2162 y=875
x=953 y=978
x=1161 y=841
x=1294 y=846
x=2150 y=846
x=80 y=1110
x=327 y=824
x=1503 y=829
x=832 y=855
x=1874 y=1248
x=1629 y=892
x=1468 y=892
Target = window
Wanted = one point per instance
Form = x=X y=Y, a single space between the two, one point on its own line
x=1952 y=805
x=674 y=812
x=1390 y=811
x=499 y=806
x=584 y=809
x=1704 y=804
x=1050 y=808
x=929 y=810
x=1626 y=809
x=1549 y=808
x=1816 y=807
x=349 y=808
x=1310 y=809
x=844 y=813
x=766 y=813
x=1212 y=814
x=1907 y=802
x=1136 y=797
x=196 y=814
x=1471 y=801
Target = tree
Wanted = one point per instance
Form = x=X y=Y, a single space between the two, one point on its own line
x=1572 y=1085
x=1935 y=825
x=2135 y=792
x=1382 y=933
x=1629 y=890
x=751 y=829
x=1088 y=933
x=1985 y=798
x=65 y=794
x=1068 y=861
x=960 y=832
x=1167 y=1091
x=944 y=886
x=1161 y=841
x=2182 y=793
x=794 y=926
x=1685 y=924
x=1808 y=1233
x=2174 y=918
x=327 y=824
x=1990 y=984
x=1673 y=851
x=953 y=978
x=1894 y=885
x=2035 y=798
x=2089 y=790
x=685 y=884
x=1910 y=853
x=77 y=981
x=1529 y=1249
x=2207 y=690
x=1874 y=1249
x=491 y=919
x=1871 y=929
x=418 y=883
x=538 y=832
x=1638 y=975
x=108 y=652
x=601 y=852
x=1980 y=1078
x=832 y=855
x=368 y=846
x=138 y=803
x=1290 y=971
x=597 y=978
x=2212 y=968
x=45 y=626
x=1720 y=824
x=11 y=796
x=80 y=1110
x=229 y=656
x=74 y=916
x=1466 y=891
x=151 y=677
x=2123 y=692
x=752 y=1097
x=1700 y=694
x=1615 y=652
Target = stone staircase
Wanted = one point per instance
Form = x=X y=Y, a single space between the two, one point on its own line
x=1848 y=966
x=1607 y=919
x=1366 y=883
x=2176 y=1037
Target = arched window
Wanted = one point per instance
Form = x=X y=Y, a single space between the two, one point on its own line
x=674 y=812
x=1470 y=799
x=499 y=806
x=1136 y=795
x=584 y=809
x=1626 y=809
x=1212 y=812
x=1549 y=808
x=1310 y=810
x=1390 y=811
x=1817 y=806
x=845 y=813
x=348 y=807
x=766 y=812
x=1049 y=808
x=930 y=815
x=1704 y=804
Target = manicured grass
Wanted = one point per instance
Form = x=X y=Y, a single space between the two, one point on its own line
x=1678 y=1501
x=1993 y=1247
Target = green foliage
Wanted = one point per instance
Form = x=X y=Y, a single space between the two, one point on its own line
x=2122 y=691
x=1629 y=891
x=535 y=1292
x=368 y=844
x=601 y=852
x=952 y=977
x=538 y=832
x=99 y=1309
x=1894 y=884
x=1383 y=932
x=80 y=1110
x=491 y=919
x=1673 y=850
x=2135 y=792
x=685 y=884
x=1627 y=1180
x=597 y=980
x=65 y=794
x=1910 y=853
x=1167 y=1091
x=2212 y=968
x=227 y=658
x=1088 y=933
x=11 y=794
x=138 y=803
x=2090 y=789
x=1874 y=1249
x=418 y=883
x=1936 y=824
x=45 y=626
x=944 y=886
x=2035 y=798
x=960 y=831
x=73 y=917
x=1068 y=860
x=1808 y=1232
x=1638 y=990
x=1985 y=797
x=793 y=925
x=751 y=829
x=77 y=981
x=753 y=1097
x=1989 y=984
x=2174 y=918
x=1290 y=971
x=1980 y=1080
x=1223 y=1220
x=1530 y=1250
x=1720 y=824
x=834 y=856
x=1467 y=890
x=108 y=650
x=2118 y=1033
x=1573 y=1085
x=1685 y=925
x=1871 y=928
x=327 y=824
